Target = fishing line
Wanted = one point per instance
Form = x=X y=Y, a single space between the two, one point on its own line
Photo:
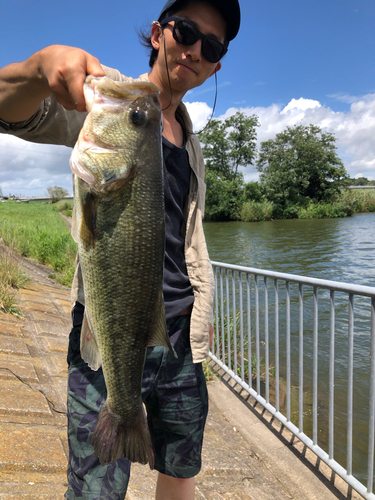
x=166 y=65
x=34 y=389
x=213 y=109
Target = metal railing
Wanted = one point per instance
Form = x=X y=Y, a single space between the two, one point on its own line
x=302 y=348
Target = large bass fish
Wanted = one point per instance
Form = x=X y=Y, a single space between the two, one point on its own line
x=119 y=224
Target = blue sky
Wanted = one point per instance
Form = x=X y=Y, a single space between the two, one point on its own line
x=294 y=61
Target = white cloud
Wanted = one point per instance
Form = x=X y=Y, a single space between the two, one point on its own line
x=354 y=130
x=27 y=168
x=199 y=113
x=301 y=104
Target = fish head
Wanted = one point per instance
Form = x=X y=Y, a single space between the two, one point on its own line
x=122 y=117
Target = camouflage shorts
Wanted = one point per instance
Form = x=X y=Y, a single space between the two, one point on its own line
x=175 y=394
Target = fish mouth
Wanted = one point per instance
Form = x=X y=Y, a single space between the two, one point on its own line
x=118 y=111
x=103 y=90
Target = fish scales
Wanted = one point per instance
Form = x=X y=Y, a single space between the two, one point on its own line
x=120 y=228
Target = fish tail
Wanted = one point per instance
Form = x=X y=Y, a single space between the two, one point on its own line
x=112 y=439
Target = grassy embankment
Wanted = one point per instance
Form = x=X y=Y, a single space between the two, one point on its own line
x=38 y=231
x=350 y=201
x=11 y=279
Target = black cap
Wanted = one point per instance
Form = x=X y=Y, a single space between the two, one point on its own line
x=229 y=9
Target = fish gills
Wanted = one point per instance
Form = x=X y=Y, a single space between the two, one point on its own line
x=119 y=224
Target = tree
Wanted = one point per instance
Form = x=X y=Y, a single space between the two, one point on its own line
x=224 y=198
x=229 y=144
x=361 y=181
x=300 y=165
x=57 y=193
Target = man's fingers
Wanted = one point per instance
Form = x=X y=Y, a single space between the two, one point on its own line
x=69 y=91
x=94 y=67
x=65 y=70
x=76 y=95
x=90 y=66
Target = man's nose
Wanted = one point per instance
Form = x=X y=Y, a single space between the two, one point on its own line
x=195 y=50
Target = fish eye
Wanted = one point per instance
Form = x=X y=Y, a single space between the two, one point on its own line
x=138 y=117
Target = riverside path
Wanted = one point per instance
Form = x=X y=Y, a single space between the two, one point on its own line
x=245 y=454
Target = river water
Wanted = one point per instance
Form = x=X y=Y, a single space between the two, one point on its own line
x=333 y=249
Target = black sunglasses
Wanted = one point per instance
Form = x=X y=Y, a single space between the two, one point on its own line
x=187 y=34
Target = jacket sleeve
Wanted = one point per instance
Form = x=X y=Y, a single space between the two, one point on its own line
x=52 y=123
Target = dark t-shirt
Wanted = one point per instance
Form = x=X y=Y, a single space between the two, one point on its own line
x=177 y=290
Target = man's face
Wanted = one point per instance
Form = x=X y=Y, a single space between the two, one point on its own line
x=187 y=66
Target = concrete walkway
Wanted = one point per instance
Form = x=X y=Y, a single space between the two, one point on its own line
x=245 y=455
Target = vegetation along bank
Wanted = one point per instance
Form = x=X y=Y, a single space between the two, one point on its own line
x=301 y=175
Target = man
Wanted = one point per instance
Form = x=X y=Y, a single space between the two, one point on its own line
x=41 y=100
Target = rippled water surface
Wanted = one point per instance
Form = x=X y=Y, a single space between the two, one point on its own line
x=333 y=249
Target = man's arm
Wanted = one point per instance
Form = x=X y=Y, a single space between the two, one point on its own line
x=57 y=69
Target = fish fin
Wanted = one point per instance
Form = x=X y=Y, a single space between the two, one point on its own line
x=89 y=347
x=113 y=438
x=159 y=334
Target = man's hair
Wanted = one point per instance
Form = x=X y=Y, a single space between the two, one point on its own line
x=145 y=37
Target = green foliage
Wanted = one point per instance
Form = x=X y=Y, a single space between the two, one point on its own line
x=361 y=181
x=223 y=197
x=254 y=191
x=325 y=210
x=62 y=205
x=11 y=279
x=229 y=144
x=253 y=211
x=57 y=193
x=38 y=231
x=361 y=200
x=298 y=166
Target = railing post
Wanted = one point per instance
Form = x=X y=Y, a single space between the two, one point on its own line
x=241 y=326
x=277 y=350
x=331 y=376
x=300 y=364
x=234 y=308
x=288 y=367
x=217 y=319
x=371 y=439
x=222 y=314
x=315 y=368
x=228 y=321
x=266 y=340
x=257 y=331
x=349 y=451
x=249 y=355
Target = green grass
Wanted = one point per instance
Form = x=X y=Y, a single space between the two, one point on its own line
x=348 y=202
x=11 y=279
x=63 y=205
x=362 y=200
x=253 y=211
x=38 y=231
x=250 y=366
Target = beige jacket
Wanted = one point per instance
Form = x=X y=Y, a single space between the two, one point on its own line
x=53 y=124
